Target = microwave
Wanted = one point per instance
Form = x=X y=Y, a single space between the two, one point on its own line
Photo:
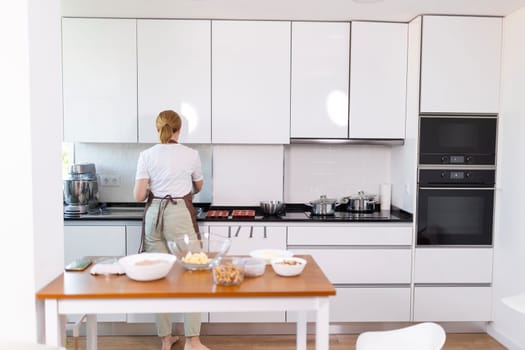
x=457 y=140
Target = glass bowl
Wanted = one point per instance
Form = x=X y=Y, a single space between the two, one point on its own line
x=228 y=271
x=199 y=254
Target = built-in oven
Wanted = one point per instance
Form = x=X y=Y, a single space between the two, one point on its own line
x=455 y=207
x=457 y=140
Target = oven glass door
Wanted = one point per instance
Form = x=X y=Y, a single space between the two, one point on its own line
x=453 y=216
x=474 y=138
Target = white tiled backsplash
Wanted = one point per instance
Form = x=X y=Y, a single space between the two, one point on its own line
x=246 y=174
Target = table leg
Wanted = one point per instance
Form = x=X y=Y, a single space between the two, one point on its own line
x=53 y=331
x=301 y=330
x=91 y=330
x=322 y=322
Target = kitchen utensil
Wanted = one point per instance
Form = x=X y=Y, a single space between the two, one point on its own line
x=81 y=188
x=324 y=206
x=199 y=254
x=272 y=207
x=362 y=203
x=243 y=213
x=147 y=266
x=217 y=214
x=288 y=266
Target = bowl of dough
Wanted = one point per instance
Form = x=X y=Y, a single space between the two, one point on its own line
x=147 y=266
x=199 y=254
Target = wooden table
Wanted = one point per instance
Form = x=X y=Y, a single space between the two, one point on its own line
x=187 y=291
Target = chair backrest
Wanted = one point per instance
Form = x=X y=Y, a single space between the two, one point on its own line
x=422 y=336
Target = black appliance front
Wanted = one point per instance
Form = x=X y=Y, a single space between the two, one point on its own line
x=455 y=207
x=457 y=140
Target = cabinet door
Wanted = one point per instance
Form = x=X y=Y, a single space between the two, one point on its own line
x=452 y=303
x=174 y=72
x=363 y=265
x=460 y=64
x=453 y=265
x=251 y=82
x=367 y=304
x=99 y=80
x=245 y=238
x=378 y=72
x=94 y=240
x=320 y=73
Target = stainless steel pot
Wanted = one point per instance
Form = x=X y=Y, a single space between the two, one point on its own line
x=324 y=206
x=362 y=203
x=272 y=207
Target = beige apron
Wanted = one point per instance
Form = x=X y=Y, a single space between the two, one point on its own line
x=164 y=202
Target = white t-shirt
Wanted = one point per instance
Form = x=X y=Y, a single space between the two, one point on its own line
x=171 y=169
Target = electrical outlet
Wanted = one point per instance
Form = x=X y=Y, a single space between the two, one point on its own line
x=110 y=180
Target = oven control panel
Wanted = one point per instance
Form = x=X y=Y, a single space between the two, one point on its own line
x=457 y=177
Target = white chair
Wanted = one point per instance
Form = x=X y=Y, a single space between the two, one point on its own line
x=422 y=336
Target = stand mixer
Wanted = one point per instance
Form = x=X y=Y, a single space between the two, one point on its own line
x=80 y=189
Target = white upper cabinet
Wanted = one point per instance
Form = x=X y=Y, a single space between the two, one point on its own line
x=460 y=65
x=251 y=82
x=174 y=72
x=99 y=80
x=320 y=73
x=378 y=72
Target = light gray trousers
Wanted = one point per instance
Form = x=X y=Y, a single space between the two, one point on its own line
x=177 y=223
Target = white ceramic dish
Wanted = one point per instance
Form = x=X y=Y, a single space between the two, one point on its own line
x=288 y=266
x=147 y=266
x=269 y=254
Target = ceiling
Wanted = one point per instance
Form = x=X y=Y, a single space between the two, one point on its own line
x=382 y=10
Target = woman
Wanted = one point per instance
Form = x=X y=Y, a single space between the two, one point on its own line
x=167 y=175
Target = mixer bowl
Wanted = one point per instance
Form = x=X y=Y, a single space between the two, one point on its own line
x=81 y=192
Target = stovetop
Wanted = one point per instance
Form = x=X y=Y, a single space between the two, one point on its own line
x=341 y=216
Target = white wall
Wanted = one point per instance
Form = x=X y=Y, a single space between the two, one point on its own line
x=333 y=170
x=121 y=160
x=509 y=259
x=30 y=138
x=309 y=171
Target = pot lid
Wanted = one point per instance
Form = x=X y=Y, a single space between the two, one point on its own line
x=323 y=200
x=362 y=195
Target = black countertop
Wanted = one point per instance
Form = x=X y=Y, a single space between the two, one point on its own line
x=293 y=213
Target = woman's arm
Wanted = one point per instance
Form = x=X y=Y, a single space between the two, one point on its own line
x=140 y=192
x=197 y=186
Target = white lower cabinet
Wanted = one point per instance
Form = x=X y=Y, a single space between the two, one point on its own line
x=452 y=303
x=367 y=304
x=453 y=265
x=370 y=266
x=363 y=265
x=245 y=238
x=95 y=240
x=453 y=284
